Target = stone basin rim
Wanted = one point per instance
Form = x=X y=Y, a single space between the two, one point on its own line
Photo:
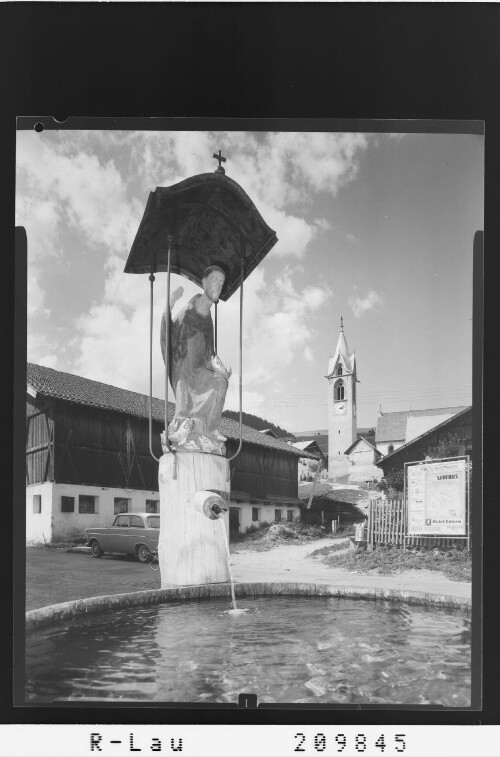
x=65 y=611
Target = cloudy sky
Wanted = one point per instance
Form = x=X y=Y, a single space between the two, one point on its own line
x=377 y=228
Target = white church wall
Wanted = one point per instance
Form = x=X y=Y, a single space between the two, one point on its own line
x=383 y=447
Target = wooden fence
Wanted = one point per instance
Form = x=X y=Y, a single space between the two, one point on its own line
x=387 y=525
x=386 y=522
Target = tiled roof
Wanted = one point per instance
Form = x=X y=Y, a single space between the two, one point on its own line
x=83 y=391
x=392 y=427
x=320 y=439
x=310 y=445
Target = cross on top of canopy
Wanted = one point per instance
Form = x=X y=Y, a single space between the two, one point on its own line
x=211 y=220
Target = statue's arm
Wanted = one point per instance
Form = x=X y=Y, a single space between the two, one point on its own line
x=174 y=296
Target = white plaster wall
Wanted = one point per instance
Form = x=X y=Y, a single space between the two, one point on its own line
x=361 y=466
x=338 y=467
x=39 y=526
x=71 y=525
x=266 y=513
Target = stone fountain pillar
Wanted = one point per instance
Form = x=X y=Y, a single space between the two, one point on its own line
x=192 y=548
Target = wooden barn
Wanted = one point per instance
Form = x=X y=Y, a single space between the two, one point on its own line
x=87 y=458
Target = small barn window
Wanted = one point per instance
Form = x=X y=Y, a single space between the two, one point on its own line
x=390 y=449
x=152 y=505
x=255 y=513
x=339 y=391
x=67 y=504
x=277 y=516
x=121 y=505
x=86 y=504
x=339 y=370
x=289 y=516
x=37 y=504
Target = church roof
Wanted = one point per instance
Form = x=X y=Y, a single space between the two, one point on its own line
x=405 y=425
x=83 y=391
x=460 y=411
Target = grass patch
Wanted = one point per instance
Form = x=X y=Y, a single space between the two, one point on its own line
x=78 y=541
x=455 y=564
x=329 y=549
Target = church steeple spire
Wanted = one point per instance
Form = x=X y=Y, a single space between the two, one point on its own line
x=341 y=353
x=342 y=428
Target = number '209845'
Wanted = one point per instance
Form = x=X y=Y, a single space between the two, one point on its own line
x=340 y=742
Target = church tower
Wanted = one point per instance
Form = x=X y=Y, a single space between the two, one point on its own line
x=342 y=425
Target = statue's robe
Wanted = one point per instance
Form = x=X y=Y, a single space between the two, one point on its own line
x=199 y=390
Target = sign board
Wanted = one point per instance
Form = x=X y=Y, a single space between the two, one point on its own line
x=436 y=498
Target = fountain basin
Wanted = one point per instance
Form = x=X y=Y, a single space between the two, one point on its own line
x=295 y=643
x=67 y=610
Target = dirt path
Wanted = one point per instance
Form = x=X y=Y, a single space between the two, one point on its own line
x=54 y=575
x=290 y=562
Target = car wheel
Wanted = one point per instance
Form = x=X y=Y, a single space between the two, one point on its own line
x=143 y=553
x=96 y=549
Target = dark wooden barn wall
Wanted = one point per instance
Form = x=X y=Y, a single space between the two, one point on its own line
x=104 y=448
x=262 y=471
x=39 y=441
x=77 y=444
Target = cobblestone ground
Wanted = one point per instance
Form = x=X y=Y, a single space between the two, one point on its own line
x=54 y=575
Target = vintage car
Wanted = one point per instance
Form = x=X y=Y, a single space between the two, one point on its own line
x=131 y=533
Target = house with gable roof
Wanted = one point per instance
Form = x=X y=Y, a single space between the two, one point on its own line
x=88 y=458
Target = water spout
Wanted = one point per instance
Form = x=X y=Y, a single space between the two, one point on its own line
x=234 y=610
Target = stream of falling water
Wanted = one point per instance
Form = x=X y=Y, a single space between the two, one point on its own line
x=234 y=610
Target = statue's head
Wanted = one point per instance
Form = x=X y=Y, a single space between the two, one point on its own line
x=213 y=281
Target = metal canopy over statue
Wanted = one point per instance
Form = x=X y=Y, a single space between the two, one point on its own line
x=207 y=229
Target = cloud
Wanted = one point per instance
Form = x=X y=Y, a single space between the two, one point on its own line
x=280 y=171
x=350 y=238
x=360 y=306
x=322 y=224
x=308 y=354
x=86 y=191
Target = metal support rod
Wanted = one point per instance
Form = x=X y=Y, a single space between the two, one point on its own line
x=151 y=279
x=215 y=330
x=241 y=360
x=167 y=350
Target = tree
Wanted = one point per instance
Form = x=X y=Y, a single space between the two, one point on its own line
x=450 y=445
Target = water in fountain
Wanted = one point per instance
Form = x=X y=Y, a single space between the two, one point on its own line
x=234 y=610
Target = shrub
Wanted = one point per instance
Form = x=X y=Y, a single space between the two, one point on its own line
x=393 y=483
